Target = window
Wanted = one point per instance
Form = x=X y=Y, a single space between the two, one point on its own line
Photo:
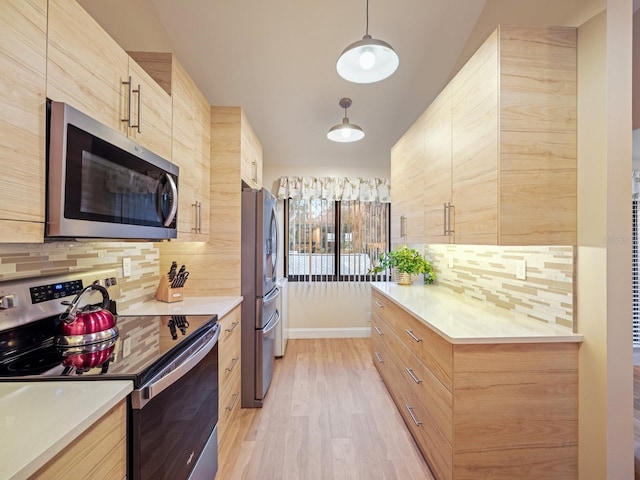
x=335 y=240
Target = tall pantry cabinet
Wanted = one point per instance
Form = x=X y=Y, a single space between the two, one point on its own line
x=23 y=49
x=511 y=143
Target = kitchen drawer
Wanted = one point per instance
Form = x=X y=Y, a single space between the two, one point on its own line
x=229 y=335
x=434 y=351
x=431 y=441
x=437 y=400
x=382 y=357
x=229 y=403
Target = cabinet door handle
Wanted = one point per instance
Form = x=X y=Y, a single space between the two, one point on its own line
x=130 y=85
x=128 y=120
x=233 y=364
x=403 y=226
x=198 y=209
x=413 y=417
x=410 y=333
x=444 y=222
x=450 y=208
x=254 y=164
x=231 y=327
x=233 y=401
x=410 y=372
x=379 y=305
x=378 y=357
x=378 y=331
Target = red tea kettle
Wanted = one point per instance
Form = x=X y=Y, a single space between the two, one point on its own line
x=89 y=324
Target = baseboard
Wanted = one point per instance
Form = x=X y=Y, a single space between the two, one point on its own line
x=356 y=332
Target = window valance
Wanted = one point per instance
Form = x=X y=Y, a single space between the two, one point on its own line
x=336 y=188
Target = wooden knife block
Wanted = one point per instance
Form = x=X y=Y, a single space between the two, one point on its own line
x=165 y=293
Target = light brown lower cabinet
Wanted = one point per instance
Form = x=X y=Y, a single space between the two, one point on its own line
x=499 y=411
x=229 y=372
x=100 y=453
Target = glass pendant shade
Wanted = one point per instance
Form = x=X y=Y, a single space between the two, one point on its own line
x=367 y=61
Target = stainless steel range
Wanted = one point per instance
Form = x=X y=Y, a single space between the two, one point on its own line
x=171 y=360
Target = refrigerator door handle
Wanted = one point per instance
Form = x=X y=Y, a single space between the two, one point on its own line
x=271 y=295
x=270 y=327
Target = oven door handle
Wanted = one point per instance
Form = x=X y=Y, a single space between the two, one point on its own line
x=162 y=381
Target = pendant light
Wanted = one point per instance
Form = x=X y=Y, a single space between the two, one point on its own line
x=345 y=131
x=368 y=60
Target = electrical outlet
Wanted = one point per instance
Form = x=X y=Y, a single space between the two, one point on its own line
x=521 y=269
x=126 y=267
x=450 y=261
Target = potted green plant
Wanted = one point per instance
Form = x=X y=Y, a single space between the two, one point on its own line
x=407 y=262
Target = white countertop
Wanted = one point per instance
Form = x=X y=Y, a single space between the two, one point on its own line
x=39 y=419
x=463 y=320
x=188 y=306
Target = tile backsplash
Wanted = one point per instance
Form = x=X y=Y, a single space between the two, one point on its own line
x=489 y=273
x=27 y=260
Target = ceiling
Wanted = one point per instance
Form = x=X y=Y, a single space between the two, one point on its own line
x=277 y=59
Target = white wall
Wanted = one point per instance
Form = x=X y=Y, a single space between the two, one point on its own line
x=604 y=249
x=324 y=309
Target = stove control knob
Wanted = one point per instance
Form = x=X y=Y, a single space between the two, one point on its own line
x=8 y=301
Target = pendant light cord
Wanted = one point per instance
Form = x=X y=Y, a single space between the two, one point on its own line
x=367 y=31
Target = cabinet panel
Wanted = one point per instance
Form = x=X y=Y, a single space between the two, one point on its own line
x=475 y=149
x=250 y=154
x=511 y=411
x=23 y=44
x=433 y=350
x=191 y=152
x=86 y=74
x=229 y=371
x=423 y=418
x=153 y=115
x=99 y=453
x=437 y=183
x=408 y=174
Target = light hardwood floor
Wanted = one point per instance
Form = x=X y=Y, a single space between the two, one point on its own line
x=327 y=415
x=636 y=419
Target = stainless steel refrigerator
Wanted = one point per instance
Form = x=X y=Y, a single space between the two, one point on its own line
x=260 y=314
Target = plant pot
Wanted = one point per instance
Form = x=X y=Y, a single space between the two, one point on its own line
x=404 y=279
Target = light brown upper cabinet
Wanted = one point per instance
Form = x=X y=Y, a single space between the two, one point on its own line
x=512 y=144
x=408 y=183
x=251 y=155
x=191 y=147
x=234 y=148
x=89 y=70
x=23 y=47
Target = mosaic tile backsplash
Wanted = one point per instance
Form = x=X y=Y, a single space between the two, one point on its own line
x=489 y=273
x=28 y=260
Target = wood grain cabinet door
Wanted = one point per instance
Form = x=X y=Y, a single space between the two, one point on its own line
x=150 y=111
x=23 y=43
x=475 y=147
x=86 y=68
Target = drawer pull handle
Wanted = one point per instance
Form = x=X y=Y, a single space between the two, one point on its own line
x=410 y=333
x=410 y=372
x=233 y=364
x=413 y=417
x=378 y=357
x=234 y=399
x=378 y=331
x=230 y=329
x=379 y=305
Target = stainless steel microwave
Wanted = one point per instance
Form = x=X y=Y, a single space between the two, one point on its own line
x=101 y=184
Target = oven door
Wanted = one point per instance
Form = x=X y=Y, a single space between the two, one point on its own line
x=174 y=417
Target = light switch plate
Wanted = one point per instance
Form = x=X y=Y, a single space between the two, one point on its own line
x=521 y=269
x=450 y=261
